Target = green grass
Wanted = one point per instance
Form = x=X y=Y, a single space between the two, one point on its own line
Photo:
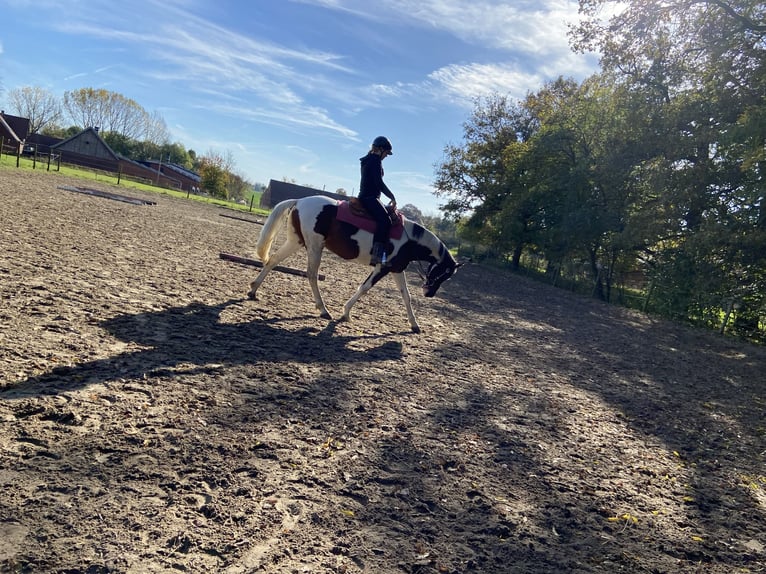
x=9 y=161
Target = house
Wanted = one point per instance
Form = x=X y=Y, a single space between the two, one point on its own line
x=187 y=180
x=280 y=190
x=13 y=131
x=40 y=144
x=88 y=149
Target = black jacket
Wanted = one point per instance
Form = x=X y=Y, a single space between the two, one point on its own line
x=372 y=178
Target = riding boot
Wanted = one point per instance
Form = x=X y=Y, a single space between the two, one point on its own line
x=378 y=253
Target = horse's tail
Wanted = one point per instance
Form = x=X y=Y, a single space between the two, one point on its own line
x=273 y=224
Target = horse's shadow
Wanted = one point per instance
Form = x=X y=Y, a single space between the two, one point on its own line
x=193 y=339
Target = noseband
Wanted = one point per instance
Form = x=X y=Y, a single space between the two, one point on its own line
x=438 y=279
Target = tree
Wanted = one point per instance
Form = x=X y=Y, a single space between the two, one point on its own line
x=156 y=130
x=39 y=106
x=113 y=112
x=702 y=65
x=472 y=172
x=478 y=177
x=238 y=188
x=215 y=173
x=411 y=212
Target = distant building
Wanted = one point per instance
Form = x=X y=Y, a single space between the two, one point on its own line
x=187 y=179
x=13 y=132
x=280 y=190
x=88 y=149
x=41 y=143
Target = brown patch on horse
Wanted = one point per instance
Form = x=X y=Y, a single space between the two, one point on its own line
x=339 y=240
x=337 y=234
x=295 y=221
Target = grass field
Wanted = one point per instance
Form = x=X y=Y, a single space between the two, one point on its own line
x=125 y=183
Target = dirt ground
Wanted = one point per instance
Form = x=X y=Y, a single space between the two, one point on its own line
x=153 y=420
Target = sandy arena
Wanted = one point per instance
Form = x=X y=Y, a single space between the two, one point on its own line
x=154 y=420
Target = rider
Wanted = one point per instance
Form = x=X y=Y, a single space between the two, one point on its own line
x=370 y=189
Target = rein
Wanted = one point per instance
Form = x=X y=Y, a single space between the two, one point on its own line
x=423 y=274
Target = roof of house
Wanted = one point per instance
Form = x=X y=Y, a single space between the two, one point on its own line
x=14 y=127
x=88 y=132
x=178 y=169
x=280 y=190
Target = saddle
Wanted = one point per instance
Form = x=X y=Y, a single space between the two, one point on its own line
x=352 y=211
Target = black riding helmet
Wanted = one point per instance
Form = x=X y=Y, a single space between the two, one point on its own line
x=383 y=143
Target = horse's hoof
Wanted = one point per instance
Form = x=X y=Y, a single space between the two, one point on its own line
x=344 y=319
x=326 y=315
x=415 y=329
x=251 y=295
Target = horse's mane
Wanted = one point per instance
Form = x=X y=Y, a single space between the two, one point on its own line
x=427 y=238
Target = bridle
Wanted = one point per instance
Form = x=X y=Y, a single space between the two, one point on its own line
x=438 y=280
x=423 y=273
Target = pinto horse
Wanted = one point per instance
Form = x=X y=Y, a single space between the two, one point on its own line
x=314 y=223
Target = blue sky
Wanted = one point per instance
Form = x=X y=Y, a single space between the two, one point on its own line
x=298 y=89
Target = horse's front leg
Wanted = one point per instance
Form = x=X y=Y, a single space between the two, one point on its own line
x=401 y=282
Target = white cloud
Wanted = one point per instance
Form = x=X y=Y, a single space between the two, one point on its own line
x=202 y=55
x=307 y=117
x=526 y=43
x=529 y=26
x=466 y=82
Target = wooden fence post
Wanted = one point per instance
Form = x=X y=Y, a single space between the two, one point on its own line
x=729 y=309
x=648 y=296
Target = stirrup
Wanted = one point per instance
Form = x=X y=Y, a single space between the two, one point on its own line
x=378 y=254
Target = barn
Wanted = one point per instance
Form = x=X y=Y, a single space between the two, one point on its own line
x=89 y=149
x=13 y=130
x=187 y=179
x=280 y=190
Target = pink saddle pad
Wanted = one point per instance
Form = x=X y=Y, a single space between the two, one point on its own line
x=367 y=223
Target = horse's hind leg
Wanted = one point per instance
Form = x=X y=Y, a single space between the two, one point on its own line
x=363 y=288
x=314 y=253
x=287 y=249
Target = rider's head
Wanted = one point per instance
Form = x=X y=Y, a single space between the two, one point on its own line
x=382 y=144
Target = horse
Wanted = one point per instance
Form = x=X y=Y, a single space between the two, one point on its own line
x=314 y=224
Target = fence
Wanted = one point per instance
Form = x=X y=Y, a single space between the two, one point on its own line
x=45 y=157
x=33 y=152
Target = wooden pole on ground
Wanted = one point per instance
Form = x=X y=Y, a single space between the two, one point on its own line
x=241 y=218
x=254 y=263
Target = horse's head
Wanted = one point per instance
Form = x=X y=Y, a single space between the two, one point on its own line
x=438 y=273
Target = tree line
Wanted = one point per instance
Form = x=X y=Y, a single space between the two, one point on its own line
x=128 y=129
x=654 y=165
